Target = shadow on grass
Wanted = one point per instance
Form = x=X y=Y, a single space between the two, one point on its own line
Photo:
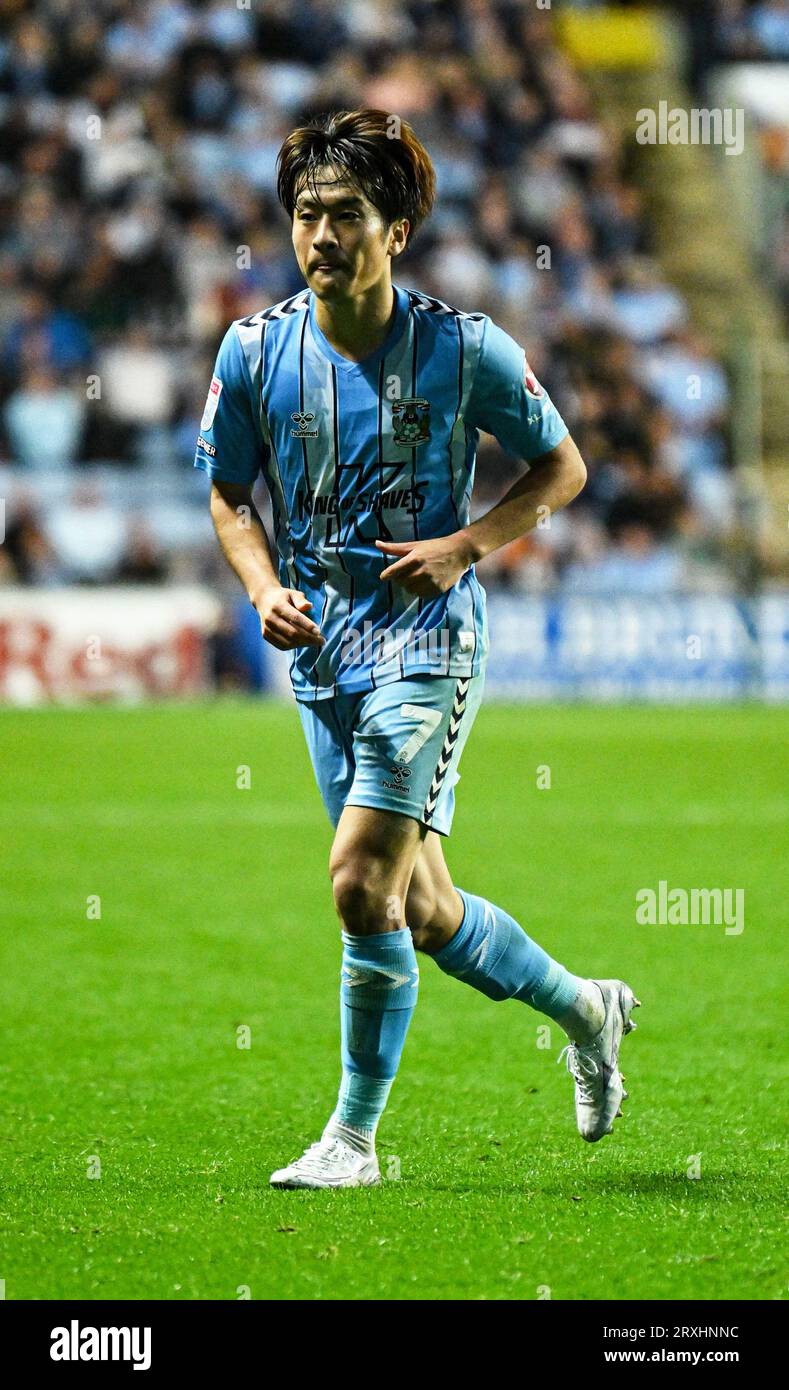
x=716 y=1185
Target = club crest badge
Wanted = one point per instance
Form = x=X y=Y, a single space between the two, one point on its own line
x=410 y=421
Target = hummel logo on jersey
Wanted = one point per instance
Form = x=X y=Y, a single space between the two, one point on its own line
x=410 y=421
x=303 y=418
x=401 y=775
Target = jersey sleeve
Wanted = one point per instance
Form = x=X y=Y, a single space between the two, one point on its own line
x=230 y=446
x=507 y=401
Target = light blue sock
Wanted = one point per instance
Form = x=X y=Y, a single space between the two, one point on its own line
x=378 y=994
x=493 y=954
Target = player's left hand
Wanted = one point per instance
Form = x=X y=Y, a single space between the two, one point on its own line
x=427 y=568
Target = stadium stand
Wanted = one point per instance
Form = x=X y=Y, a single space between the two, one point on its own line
x=137 y=150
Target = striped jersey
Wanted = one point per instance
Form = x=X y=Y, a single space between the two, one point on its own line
x=356 y=451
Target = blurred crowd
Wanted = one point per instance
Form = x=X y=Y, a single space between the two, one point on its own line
x=724 y=32
x=138 y=141
x=751 y=29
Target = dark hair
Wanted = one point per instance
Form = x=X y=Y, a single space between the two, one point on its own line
x=394 y=171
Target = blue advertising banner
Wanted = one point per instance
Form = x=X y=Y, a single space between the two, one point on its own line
x=628 y=647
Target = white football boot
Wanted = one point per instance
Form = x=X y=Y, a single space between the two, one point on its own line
x=329 y=1163
x=599 y=1092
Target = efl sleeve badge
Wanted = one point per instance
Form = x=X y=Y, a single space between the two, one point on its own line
x=212 y=401
x=530 y=381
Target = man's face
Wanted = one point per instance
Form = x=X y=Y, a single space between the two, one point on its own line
x=341 y=241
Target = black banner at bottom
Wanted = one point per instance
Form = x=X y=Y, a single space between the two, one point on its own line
x=158 y=1340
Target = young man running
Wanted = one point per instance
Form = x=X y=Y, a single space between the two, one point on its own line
x=360 y=402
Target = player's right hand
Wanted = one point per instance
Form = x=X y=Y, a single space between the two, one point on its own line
x=283 y=621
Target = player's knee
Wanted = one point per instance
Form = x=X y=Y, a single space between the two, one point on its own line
x=420 y=907
x=361 y=895
x=434 y=920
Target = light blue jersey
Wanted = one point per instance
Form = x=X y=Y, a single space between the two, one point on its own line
x=352 y=452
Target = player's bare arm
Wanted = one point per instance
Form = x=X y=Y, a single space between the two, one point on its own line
x=282 y=611
x=431 y=567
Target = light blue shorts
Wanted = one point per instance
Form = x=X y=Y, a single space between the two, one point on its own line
x=395 y=748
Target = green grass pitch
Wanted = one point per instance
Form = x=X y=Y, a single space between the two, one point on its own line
x=121 y=1031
